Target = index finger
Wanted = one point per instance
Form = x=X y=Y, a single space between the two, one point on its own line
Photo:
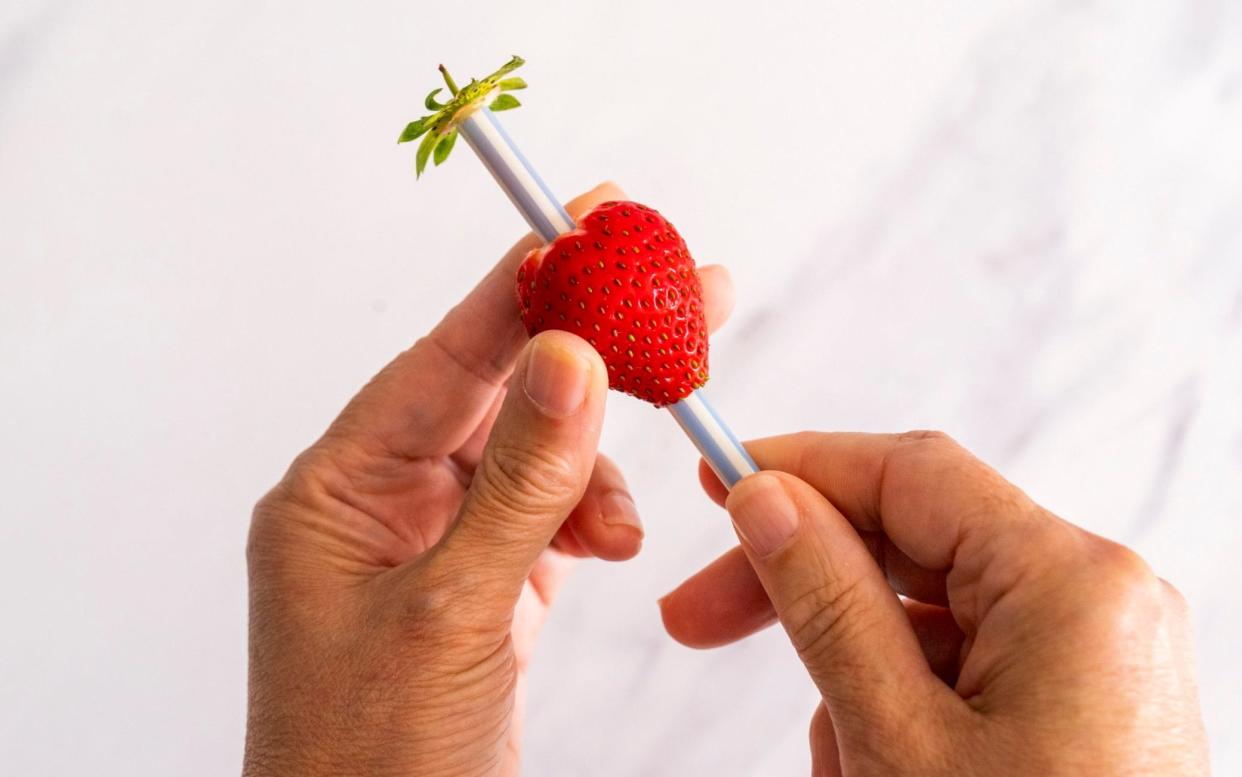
x=929 y=495
x=943 y=526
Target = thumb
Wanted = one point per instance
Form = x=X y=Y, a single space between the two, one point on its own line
x=533 y=471
x=847 y=624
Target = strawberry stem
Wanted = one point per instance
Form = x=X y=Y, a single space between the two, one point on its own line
x=448 y=79
x=439 y=129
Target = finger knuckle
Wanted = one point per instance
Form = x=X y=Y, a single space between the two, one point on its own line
x=806 y=447
x=444 y=643
x=302 y=492
x=1175 y=598
x=425 y=612
x=918 y=450
x=805 y=438
x=425 y=599
x=267 y=518
x=928 y=456
x=301 y=484
x=524 y=478
x=927 y=437
x=996 y=497
x=823 y=618
x=1126 y=575
x=1125 y=566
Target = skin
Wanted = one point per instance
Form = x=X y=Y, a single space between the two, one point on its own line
x=1024 y=644
x=402 y=568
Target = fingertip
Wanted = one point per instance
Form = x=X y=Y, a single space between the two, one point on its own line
x=764 y=514
x=602 y=192
x=608 y=526
x=568 y=342
x=717 y=270
x=622 y=544
x=608 y=187
x=719 y=294
x=716 y=278
x=676 y=625
x=670 y=623
x=562 y=373
x=740 y=494
x=762 y=485
x=618 y=511
x=719 y=604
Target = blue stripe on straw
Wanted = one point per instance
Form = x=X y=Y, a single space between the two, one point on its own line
x=509 y=166
x=548 y=218
x=720 y=449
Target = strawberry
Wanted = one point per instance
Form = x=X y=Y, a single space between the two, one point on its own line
x=623 y=281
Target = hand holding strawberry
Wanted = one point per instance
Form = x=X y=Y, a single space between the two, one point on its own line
x=401 y=570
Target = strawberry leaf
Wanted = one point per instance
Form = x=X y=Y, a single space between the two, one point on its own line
x=424 y=151
x=511 y=65
x=439 y=130
x=444 y=147
x=414 y=129
x=504 y=102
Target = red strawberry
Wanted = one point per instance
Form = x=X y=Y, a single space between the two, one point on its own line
x=625 y=282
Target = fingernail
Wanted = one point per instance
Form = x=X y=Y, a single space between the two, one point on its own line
x=763 y=514
x=556 y=378
x=618 y=509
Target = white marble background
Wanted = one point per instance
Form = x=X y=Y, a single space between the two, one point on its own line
x=1020 y=222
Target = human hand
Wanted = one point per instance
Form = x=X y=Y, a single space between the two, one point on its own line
x=1027 y=645
x=400 y=571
